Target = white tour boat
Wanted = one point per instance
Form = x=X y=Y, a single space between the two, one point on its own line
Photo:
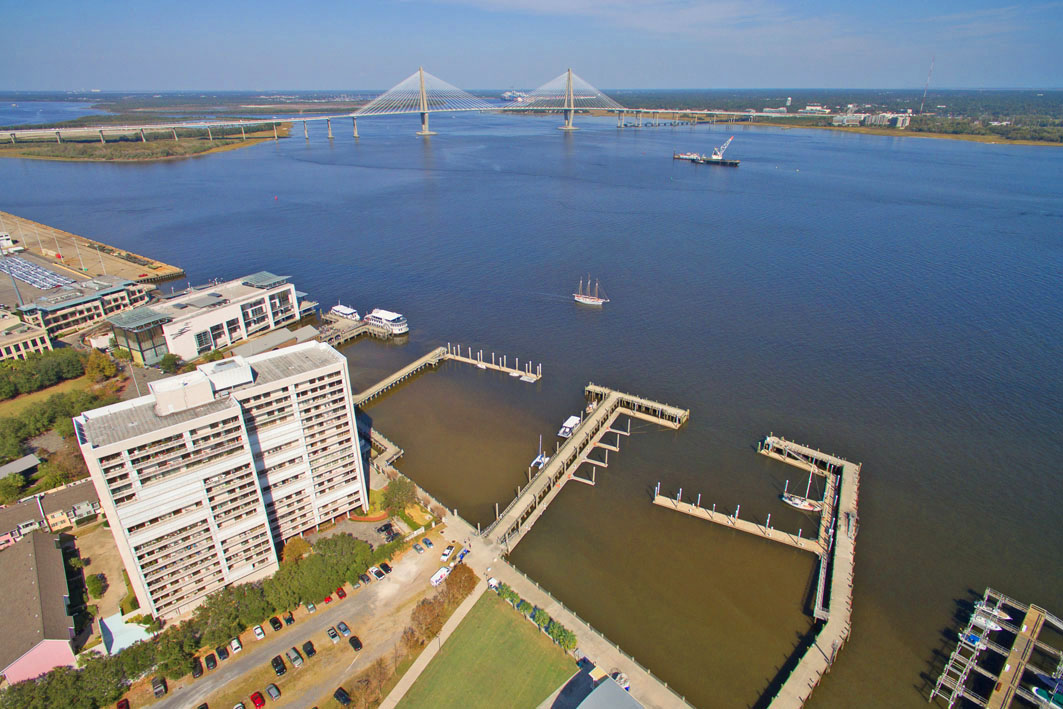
x=395 y=323
x=587 y=297
x=342 y=311
x=569 y=426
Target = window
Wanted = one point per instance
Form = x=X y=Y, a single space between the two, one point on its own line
x=203 y=342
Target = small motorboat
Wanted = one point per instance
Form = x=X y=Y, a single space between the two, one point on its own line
x=568 y=426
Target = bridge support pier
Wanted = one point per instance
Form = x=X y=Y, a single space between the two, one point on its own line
x=175 y=135
x=620 y=119
x=424 y=125
x=274 y=131
x=568 y=121
x=58 y=139
x=143 y=138
x=329 y=122
x=101 y=138
x=210 y=135
x=243 y=135
x=13 y=139
x=305 y=133
x=354 y=127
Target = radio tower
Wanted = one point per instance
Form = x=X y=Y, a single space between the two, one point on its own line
x=929 y=74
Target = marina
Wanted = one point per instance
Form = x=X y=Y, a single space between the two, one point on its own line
x=835 y=546
x=1024 y=675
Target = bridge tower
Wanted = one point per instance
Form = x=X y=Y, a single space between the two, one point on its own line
x=424 y=105
x=570 y=104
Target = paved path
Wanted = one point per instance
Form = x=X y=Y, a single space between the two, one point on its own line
x=486 y=560
x=433 y=647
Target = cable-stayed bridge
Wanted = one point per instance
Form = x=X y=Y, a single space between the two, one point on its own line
x=422 y=94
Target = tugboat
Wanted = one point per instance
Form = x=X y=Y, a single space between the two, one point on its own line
x=586 y=297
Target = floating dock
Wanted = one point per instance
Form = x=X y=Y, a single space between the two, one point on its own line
x=975 y=641
x=82 y=256
x=532 y=499
x=835 y=545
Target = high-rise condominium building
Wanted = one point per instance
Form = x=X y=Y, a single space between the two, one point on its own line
x=205 y=477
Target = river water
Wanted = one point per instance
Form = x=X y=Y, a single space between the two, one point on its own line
x=896 y=301
x=16 y=113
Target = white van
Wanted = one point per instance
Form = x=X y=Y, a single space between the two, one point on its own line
x=439 y=576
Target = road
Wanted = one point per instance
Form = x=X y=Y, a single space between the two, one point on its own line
x=407 y=582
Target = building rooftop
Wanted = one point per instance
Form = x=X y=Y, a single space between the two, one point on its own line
x=33 y=586
x=12 y=329
x=209 y=390
x=274 y=339
x=73 y=494
x=23 y=464
x=81 y=292
x=195 y=301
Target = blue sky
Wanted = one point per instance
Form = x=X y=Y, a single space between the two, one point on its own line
x=272 y=45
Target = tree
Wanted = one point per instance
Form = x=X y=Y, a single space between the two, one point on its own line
x=96 y=584
x=11 y=487
x=460 y=583
x=218 y=617
x=427 y=618
x=213 y=356
x=540 y=617
x=524 y=607
x=399 y=495
x=100 y=367
x=76 y=563
x=123 y=355
x=294 y=549
x=170 y=363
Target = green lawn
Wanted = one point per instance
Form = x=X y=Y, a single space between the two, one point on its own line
x=13 y=407
x=494 y=659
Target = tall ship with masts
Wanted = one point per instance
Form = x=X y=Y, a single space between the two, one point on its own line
x=588 y=295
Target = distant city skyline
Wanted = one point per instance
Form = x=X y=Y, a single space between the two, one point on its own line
x=481 y=44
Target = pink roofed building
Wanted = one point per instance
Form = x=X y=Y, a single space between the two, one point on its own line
x=36 y=624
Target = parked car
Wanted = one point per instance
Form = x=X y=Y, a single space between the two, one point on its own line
x=294 y=657
x=308 y=649
x=239 y=705
x=203 y=706
x=259 y=632
x=235 y=645
x=385 y=567
x=418 y=548
x=461 y=557
x=364 y=578
x=275 y=623
x=384 y=528
x=223 y=652
x=344 y=630
x=210 y=661
x=377 y=573
x=278 y=665
x=311 y=608
x=427 y=543
x=446 y=553
x=197 y=668
x=328 y=599
x=394 y=536
x=273 y=692
x=340 y=593
x=258 y=700
x=124 y=704
x=332 y=635
x=356 y=644
x=289 y=619
x=158 y=686
x=341 y=696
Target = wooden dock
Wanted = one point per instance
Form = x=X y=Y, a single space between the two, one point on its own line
x=338 y=331
x=733 y=522
x=532 y=500
x=432 y=359
x=82 y=256
x=974 y=640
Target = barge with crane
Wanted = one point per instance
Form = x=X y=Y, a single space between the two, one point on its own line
x=715 y=159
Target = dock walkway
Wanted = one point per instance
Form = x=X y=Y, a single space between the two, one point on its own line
x=535 y=497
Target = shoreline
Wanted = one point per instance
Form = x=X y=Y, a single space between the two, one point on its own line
x=898 y=133
x=257 y=138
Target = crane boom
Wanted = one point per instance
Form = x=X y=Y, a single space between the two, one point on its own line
x=718 y=152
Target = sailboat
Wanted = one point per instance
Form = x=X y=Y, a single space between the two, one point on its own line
x=801 y=503
x=587 y=297
x=987 y=609
x=541 y=459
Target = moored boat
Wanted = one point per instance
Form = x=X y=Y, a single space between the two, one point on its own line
x=986 y=609
x=569 y=426
x=985 y=622
x=342 y=311
x=801 y=503
x=395 y=323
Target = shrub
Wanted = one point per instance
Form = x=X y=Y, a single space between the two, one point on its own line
x=96 y=584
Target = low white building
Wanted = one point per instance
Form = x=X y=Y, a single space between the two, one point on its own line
x=208 y=317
